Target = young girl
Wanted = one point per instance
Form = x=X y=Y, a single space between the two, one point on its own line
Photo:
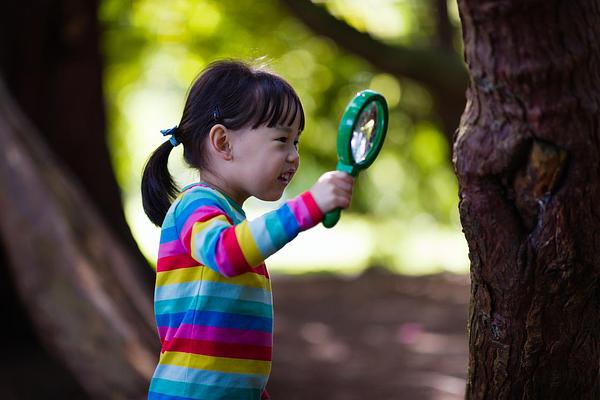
x=240 y=128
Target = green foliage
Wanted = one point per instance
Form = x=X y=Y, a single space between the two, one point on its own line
x=154 y=49
x=406 y=22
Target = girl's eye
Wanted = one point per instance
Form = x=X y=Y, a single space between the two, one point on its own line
x=282 y=139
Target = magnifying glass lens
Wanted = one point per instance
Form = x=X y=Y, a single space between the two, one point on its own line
x=363 y=134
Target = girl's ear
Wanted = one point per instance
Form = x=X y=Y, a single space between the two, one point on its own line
x=220 y=142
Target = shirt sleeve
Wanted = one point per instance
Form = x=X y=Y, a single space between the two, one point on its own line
x=212 y=240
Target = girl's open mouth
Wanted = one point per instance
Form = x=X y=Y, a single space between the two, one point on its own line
x=286 y=177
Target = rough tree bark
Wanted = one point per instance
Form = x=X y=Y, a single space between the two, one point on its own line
x=526 y=155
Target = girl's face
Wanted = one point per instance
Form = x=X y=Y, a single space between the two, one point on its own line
x=264 y=160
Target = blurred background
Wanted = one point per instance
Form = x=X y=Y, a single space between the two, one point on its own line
x=154 y=50
x=375 y=308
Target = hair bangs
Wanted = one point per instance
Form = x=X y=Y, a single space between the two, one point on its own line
x=276 y=103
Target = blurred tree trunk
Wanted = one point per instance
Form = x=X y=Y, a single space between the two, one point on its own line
x=50 y=60
x=73 y=275
x=87 y=298
x=526 y=155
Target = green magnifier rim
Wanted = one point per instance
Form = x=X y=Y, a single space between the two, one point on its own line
x=350 y=118
x=346 y=129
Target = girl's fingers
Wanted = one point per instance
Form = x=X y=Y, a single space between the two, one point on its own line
x=345 y=188
x=343 y=198
x=340 y=186
x=338 y=175
x=347 y=184
x=343 y=192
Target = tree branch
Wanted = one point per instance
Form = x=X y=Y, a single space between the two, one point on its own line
x=440 y=71
x=444 y=27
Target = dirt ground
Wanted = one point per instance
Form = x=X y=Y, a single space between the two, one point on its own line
x=378 y=336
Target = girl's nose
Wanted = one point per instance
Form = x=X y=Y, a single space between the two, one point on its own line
x=293 y=155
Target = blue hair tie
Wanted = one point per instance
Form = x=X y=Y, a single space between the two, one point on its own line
x=217 y=115
x=171 y=131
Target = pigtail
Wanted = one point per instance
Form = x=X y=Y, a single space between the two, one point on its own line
x=158 y=187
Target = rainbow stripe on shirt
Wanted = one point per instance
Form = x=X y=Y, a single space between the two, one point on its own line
x=212 y=301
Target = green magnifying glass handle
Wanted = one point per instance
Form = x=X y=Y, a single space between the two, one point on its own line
x=332 y=218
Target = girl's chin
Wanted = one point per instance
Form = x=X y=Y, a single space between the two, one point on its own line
x=272 y=196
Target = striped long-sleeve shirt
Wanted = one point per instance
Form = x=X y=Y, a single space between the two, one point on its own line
x=213 y=302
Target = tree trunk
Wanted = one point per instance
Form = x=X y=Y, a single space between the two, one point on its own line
x=526 y=155
x=51 y=63
x=74 y=277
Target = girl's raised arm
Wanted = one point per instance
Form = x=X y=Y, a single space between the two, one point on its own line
x=211 y=239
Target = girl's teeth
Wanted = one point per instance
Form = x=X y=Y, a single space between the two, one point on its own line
x=285 y=177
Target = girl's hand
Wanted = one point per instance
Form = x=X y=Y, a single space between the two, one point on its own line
x=333 y=190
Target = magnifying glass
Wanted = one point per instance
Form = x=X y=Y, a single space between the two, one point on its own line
x=360 y=137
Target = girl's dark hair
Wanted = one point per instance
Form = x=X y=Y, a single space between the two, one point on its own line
x=232 y=93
